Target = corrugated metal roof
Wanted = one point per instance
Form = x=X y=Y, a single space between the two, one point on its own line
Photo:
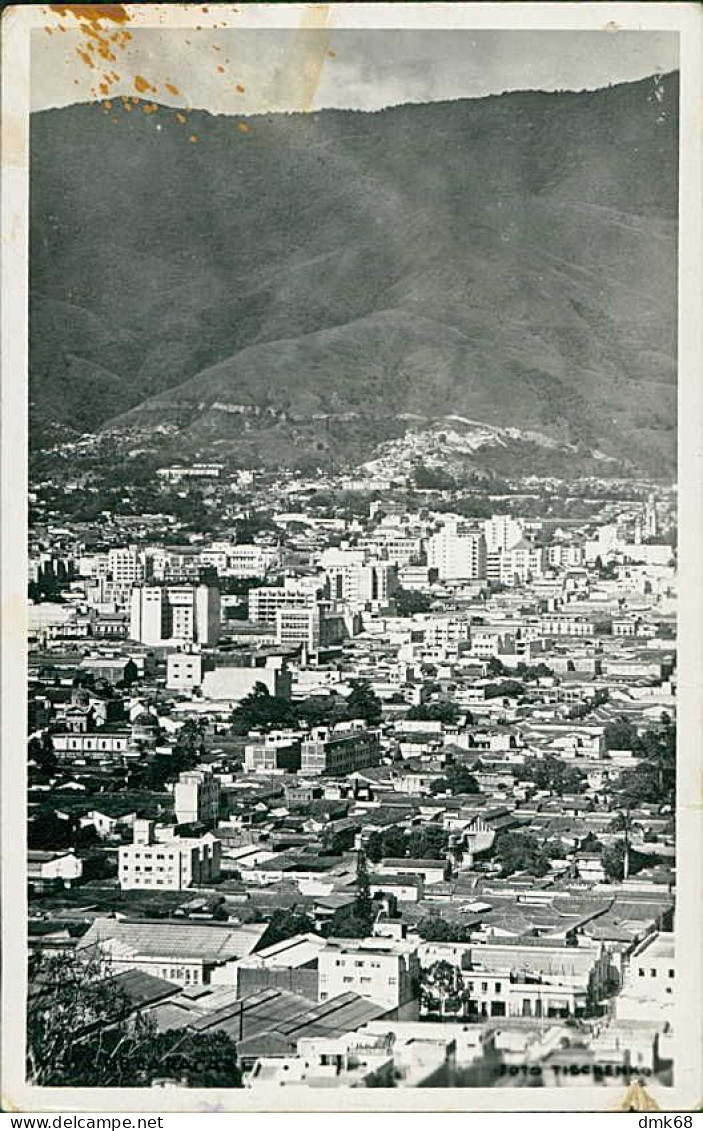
x=182 y=940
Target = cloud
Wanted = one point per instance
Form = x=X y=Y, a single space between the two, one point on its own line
x=243 y=70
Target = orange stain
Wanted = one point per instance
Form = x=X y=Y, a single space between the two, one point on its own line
x=171 y=88
x=243 y=127
x=181 y=118
x=93 y=13
x=221 y=70
x=142 y=85
x=193 y=138
x=85 y=57
x=240 y=88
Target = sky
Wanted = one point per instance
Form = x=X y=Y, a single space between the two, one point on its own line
x=252 y=70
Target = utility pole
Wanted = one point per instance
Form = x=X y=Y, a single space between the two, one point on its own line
x=626 y=858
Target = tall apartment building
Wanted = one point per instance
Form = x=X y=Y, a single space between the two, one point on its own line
x=340 y=750
x=196 y=797
x=457 y=552
x=172 y=614
x=167 y=865
x=501 y=531
x=127 y=565
x=356 y=581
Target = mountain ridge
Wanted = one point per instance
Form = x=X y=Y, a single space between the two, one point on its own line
x=537 y=273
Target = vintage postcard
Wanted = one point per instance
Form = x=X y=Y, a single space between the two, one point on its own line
x=352 y=523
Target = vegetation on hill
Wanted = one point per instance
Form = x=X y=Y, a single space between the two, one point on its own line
x=297 y=291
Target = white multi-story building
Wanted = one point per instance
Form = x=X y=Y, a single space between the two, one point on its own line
x=126 y=565
x=566 y=555
x=442 y=632
x=356 y=581
x=298 y=626
x=567 y=626
x=501 y=531
x=648 y=990
x=170 y=614
x=250 y=560
x=383 y=970
x=518 y=564
x=392 y=546
x=457 y=552
x=167 y=865
x=196 y=797
x=184 y=671
x=295 y=593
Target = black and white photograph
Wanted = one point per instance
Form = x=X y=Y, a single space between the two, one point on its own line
x=350 y=667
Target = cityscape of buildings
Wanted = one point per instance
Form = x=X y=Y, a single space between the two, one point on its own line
x=374 y=782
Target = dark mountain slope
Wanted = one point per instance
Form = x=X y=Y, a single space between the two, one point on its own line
x=510 y=258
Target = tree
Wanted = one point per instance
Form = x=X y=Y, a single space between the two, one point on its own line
x=433 y=479
x=344 y=924
x=538 y=671
x=83 y=1031
x=408 y=602
x=259 y=710
x=613 y=860
x=198 y=1060
x=374 y=847
x=443 y=711
x=395 y=842
x=457 y=778
x=520 y=852
x=621 y=734
x=439 y=983
x=41 y=752
x=653 y=782
x=285 y=923
x=337 y=841
x=363 y=905
x=433 y=928
x=322 y=710
x=429 y=842
x=550 y=773
x=46 y=830
x=507 y=688
x=363 y=703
